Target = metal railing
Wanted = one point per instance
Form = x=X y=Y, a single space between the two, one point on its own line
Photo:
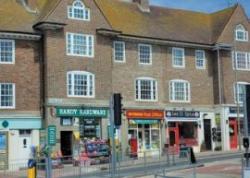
x=141 y=163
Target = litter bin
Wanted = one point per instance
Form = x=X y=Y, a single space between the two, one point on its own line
x=31 y=168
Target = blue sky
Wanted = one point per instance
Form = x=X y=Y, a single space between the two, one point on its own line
x=202 y=5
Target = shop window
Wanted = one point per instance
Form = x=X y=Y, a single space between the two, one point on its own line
x=66 y=121
x=90 y=128
x=188 y=129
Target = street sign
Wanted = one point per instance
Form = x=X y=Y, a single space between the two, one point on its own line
x=51 y=135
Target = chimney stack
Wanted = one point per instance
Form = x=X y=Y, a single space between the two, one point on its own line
x=143 y=5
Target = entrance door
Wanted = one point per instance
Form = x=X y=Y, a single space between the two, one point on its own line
x=66 y=144
x=207 y=134
x=233 y=134
x=173 y=131
x=24 y=145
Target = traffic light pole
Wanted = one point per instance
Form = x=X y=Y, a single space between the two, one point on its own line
x=113 y=153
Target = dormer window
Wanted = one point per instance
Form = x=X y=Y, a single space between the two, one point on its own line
x=78 y=11
x=240 y=33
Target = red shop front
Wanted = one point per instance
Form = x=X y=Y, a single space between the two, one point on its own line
x=182 y=129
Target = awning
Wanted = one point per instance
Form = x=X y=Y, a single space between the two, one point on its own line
x=143 y=121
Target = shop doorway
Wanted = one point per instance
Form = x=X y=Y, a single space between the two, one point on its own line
x=66 y=144
x=174 y=137
x=207 y=134
x=233 y=133
x=24 y=145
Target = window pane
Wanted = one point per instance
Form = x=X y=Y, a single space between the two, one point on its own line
x=178 y=55
x=119 y=51
x=200 y=59
x=79 y=44
x=146 y=89
x=80 y=84
x=241 y=60
x=6 y=51
x=6 y=95
x=144 y=54
x=78 y=11
x=179 y=91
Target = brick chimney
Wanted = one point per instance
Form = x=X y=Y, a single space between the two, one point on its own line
x=143 y=5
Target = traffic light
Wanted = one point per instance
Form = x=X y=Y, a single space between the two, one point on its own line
x=117 y=98
x=246 y=142
x=214 y=134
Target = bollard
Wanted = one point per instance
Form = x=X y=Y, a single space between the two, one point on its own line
x=31 y=168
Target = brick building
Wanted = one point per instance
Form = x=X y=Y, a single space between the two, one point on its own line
x=174 y=69
x=20 y=87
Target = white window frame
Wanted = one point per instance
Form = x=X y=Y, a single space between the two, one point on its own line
x=236 y=84
x=186 y=95
x=235 y=61
x=124 y=50
x=71 y=53
x=183 y=58
x=13 y=51
x=139 y=89
x=14 y=96
x=150 y=55
x=84 y=9
x=241 y=29
x=203 y=59
x=73 y=78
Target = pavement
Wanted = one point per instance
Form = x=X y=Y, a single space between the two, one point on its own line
x=219 y=169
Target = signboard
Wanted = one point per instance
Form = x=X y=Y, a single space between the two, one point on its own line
x=145 y=114
x=183 y=114
x=51 y=135
x=82 y=112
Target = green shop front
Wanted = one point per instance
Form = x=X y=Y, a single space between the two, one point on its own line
x=80 y=123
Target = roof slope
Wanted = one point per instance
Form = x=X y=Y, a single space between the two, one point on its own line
x=165 y=23
x=13 y=17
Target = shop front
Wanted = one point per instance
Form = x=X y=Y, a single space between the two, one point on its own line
x=18 y=135
x=79 y=124
x=233 y=123
x=182 y=129
x=144 y=131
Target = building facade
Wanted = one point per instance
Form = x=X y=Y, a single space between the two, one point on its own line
x=20 y=88
x=178 y=79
